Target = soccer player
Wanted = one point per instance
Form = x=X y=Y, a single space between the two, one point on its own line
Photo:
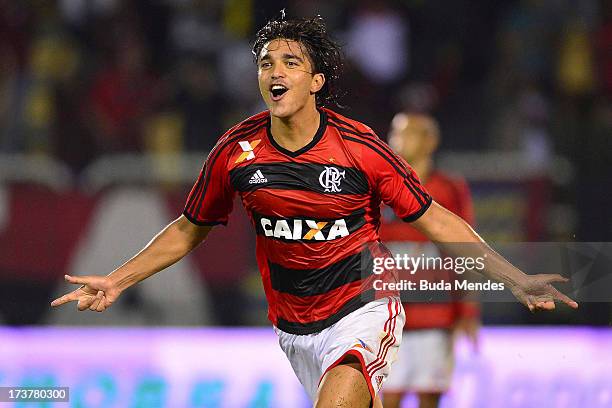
x=312 y=182
x=425 y=359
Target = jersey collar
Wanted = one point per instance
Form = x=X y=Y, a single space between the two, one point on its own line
x=310 y=145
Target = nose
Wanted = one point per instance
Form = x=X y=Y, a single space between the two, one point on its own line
x=278 y=71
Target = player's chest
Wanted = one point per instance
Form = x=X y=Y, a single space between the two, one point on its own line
x=326 y=179
x=300 y=189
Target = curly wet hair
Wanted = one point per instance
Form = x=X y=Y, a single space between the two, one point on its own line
x=325 y=54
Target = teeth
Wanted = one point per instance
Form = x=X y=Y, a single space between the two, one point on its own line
x=278 y=87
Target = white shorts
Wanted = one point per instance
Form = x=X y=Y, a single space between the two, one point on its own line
x=424 y=362
x=371 y=333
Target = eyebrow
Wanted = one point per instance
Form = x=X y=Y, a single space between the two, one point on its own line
x=285 y=56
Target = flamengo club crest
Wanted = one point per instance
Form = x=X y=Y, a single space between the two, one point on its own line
x=330 y=179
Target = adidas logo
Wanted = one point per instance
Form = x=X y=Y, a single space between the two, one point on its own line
x=258 y=178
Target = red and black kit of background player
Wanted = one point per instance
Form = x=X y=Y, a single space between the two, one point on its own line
x=316 y=212
x=453 y=194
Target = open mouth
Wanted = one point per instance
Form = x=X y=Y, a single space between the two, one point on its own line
x=278 y=91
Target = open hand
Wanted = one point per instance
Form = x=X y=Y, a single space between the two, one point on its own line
x=96 y=294
x=537 y=293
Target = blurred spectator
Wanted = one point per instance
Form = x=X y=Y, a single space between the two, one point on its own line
x=527 y=39
x=238 y=79
x=78 y=13
x=71 y=137
x=418 y=97
x=200 y=99
x=593 y=155
x=603 y=47
x=123 y=92
x=334 y=12
x=53 y=58
x=195 y=27
x=377 y=42
x=377 y=61
x=11 y=101
x=163 y=139
x=16 y=22
x=575 y=71
x=523 y=127
x=55 y=118
x=238 y=18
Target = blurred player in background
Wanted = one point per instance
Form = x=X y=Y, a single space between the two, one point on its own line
x=312 y=182
x=425 y=358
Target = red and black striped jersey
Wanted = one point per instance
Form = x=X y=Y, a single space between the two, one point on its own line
x=316 y=212
x=453 y=194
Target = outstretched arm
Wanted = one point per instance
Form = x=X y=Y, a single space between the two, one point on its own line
x=445 y=228
x=169 y=246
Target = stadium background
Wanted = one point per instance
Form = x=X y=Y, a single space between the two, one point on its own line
x=107 y=110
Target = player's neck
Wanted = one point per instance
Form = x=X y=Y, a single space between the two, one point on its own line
x=423 y=167
x=296 y=131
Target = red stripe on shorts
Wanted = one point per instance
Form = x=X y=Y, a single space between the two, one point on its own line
x=389 y=337
x=385 y=329
x=380 y=361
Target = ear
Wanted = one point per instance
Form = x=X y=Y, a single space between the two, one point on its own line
x=318 y=80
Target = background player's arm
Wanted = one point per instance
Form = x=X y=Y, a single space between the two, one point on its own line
x=452 y=234
x=169 y=246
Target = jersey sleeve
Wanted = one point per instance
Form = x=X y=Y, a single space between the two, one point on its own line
x=396 y=182
x=212 y=196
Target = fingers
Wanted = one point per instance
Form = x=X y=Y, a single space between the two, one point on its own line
x=547 y=301
x=545 y=305
x=554 y=277
x=83 y=280
x=530 y=302
x=541 y=295
x=536 y=303
x=69 y=297
x=102 y=306
x=563 y=297
x=84 y=295
x=96 y=302
x=85 y=302
x=100 y=303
